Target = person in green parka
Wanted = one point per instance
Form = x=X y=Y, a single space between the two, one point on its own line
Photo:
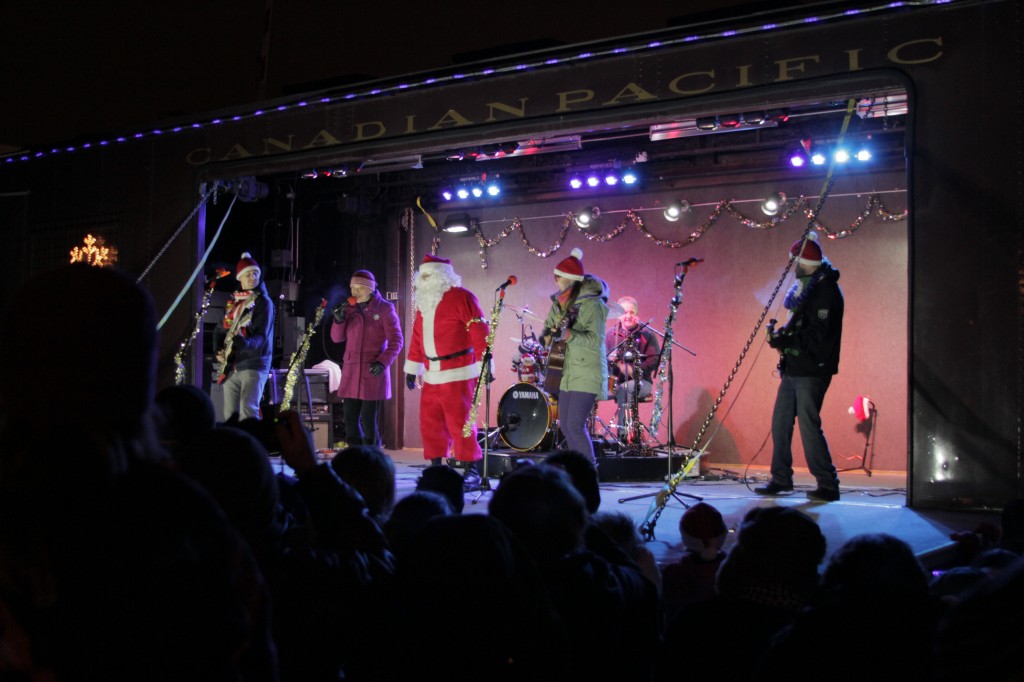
x=579 y=312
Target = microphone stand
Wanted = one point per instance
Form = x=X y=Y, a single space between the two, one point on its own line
x=666 y=347
x=671 y=386
x=485 y=375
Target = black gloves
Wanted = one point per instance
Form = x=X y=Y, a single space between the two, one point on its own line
x=376 y=368
x=410 y=381
x=777 y=341
x=339 y=312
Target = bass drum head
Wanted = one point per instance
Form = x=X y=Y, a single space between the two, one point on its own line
x=526 y=415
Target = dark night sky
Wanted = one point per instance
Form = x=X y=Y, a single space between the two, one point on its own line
x=71 y=69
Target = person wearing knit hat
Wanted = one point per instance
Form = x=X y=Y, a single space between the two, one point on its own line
x=368 y=326
x=243 y=363
x=445 y=353
x=577 y=368
x=692 y=577
x=809 y=344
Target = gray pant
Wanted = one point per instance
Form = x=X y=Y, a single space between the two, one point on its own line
x=573 y=414
x=799 y=399
x=242 y=392
x=624 y=398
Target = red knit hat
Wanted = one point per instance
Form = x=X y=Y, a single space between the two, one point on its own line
x=363 y=278
x=703 y=530
x=811 y=254
x=571 y=267
x=432 y=264
x=246 y=264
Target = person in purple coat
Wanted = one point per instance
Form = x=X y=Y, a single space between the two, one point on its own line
x=368 y=326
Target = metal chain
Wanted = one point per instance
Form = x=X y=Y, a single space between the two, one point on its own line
x=661 y=499
x=167 y=244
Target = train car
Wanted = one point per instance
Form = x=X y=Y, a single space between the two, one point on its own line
x=889 y=130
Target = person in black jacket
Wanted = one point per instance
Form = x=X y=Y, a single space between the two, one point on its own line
x=244 y=360
x=809 y=345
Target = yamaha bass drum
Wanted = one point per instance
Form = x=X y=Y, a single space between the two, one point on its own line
x=528 y=418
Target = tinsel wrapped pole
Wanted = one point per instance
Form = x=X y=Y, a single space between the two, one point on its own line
x=179 y=357
x=298 y=359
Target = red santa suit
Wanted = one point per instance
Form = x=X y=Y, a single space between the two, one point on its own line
x=447 y=345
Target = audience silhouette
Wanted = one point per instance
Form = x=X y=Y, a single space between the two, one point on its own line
x=767 y=576
x=112 y=565
x=595 y=595
x=154 y=544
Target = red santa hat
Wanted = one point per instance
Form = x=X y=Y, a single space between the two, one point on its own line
x=703 y=530
x=436 y=264
x=246 y=264
x=811 y=254
x=363 y=278
x=571 y=267
x=862 y=407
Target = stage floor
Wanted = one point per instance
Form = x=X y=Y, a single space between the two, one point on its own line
x=869 y=504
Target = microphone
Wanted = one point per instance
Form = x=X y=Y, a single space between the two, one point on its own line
x=221 y=273
x=352 y=300
x=512 y=279
x=689 y=262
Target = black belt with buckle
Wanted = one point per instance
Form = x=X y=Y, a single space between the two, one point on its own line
x=456 y=354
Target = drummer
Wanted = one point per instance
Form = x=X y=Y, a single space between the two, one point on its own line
x=631 y=348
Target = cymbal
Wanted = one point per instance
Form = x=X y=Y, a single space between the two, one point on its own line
x=618 y=355
x=524 y=310
x=615 y=309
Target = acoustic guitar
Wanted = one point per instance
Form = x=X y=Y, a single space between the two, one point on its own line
x=556 y=353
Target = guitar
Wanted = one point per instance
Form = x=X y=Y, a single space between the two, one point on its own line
x=772 y=334
x=221 y=367
x=556 y=352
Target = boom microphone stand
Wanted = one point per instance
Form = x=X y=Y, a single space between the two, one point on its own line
x=485 y=375
x=671 y=443
x=666 y=347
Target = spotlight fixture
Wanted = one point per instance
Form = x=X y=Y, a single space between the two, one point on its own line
x=818 y=157
x=459 y=223
x=629 y=177
x=492 y=189
x=587 y=216
x=841 y=155
x=675 y=210
x=863 y=154
x=575 y=182
x=773 y=204
x=447 y=194
x=706 y=123
x=796 y=159
x=730 y=120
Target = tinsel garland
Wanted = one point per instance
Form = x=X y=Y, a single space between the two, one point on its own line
x=197 y=321
x=799 y=205
x=298 y=359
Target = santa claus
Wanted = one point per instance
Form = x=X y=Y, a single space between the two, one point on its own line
x=449 y=337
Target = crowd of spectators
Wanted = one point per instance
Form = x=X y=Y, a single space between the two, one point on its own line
x=155 y=544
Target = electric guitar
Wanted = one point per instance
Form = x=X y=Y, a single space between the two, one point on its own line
x=770 y=327
x=556 y=352
x=221 y=368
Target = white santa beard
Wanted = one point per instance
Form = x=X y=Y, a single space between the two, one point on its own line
x=430 y=291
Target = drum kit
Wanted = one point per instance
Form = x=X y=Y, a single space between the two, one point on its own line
x=528 y=413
